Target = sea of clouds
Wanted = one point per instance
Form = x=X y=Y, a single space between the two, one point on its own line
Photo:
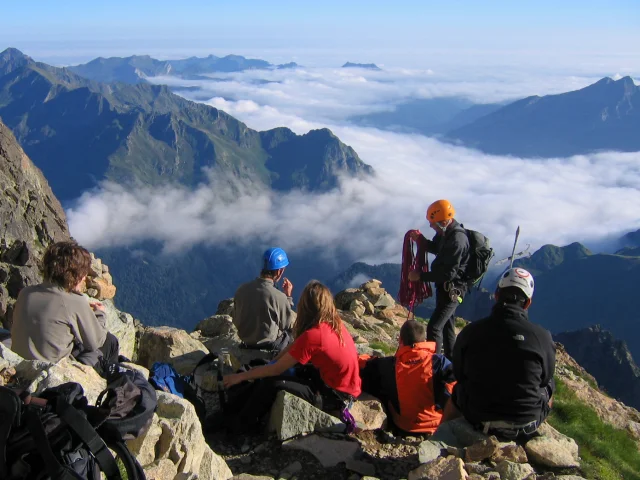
x=586 y=198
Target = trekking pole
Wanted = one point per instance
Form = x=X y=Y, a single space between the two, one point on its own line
x=513 y=252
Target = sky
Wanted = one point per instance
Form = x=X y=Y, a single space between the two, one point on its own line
x=421 y=33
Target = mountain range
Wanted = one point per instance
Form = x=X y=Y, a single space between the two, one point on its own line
x=137 y=68
x=80 y=132
x=602 y=116
x=368 y=66
x=428 y=116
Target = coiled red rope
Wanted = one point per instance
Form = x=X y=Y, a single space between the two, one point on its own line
x=413 y=293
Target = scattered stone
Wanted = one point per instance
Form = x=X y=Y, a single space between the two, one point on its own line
x=385 y=301
x=121 y=325
x=430 y=450
x=216 y=325
x=449 y=468
x=361 y=467
x=102 y=286
x=328 y=452
x=481 y=450
x=512 y=452
x=292 y=416
x=171 y=345
x=357 y=307
x=369 y=309
x=551 y=452
x=492 y=476
x=373 y=283
x=569 y=477
x=344 y=298
x=553 y=449
x=369 y=413
x=477 y=468
x=226 y=307
x=455 y=451
x=475 y=476
x=163 y=469
x=514 y=471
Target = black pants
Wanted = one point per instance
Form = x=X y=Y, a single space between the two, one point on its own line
x=110 y=350
x=283 y=341
x=440 y=328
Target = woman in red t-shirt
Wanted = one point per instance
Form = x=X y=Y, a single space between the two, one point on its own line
x=322 y=340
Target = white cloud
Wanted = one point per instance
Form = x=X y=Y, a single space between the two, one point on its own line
x=334 y=94
x=554 y=201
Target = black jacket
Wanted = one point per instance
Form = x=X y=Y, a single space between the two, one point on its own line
x=503 y=364
x=452 y=255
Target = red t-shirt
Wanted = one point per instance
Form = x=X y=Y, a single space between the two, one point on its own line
x=338 y=364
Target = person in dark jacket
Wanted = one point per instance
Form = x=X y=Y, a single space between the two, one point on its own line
x=450 y=245
x=504 y=364
x=415 y=384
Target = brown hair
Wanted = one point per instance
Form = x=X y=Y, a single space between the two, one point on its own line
x=412 y=332
x=65 y=264
x=315 y=307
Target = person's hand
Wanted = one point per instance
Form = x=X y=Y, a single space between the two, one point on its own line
x=231 y=380
x=287 y=287
x=414 y=276
x=414 y=235
x=96 y=306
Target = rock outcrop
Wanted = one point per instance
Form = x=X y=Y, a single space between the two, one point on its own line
x=31 y=218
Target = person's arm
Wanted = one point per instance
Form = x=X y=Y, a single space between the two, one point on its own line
x=548 y=354
x=443 y=380
x=449 y=261
x=90 y=330
x=281 y=354
x=285 y=362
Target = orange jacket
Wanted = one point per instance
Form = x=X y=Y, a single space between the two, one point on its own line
x=418 y=375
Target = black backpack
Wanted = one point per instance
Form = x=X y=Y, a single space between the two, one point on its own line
x=480 y=255
x=59 y=436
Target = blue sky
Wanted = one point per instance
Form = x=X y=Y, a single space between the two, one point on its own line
x=321 y=33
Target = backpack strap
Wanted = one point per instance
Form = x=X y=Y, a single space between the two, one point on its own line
x=81 y=427
x=54 y=467
x=131 y=464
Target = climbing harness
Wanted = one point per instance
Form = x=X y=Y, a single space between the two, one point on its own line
x=413 y=293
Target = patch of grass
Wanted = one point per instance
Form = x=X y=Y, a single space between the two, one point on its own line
x=383 y=347
x=579 y=374
x=607 y=453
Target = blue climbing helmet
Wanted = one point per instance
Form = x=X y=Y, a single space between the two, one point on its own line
x=275 y=258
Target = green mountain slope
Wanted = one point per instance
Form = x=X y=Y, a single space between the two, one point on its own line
x=80 y=131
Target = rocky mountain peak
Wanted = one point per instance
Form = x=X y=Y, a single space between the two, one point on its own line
x=32 y=218
x=12 y=59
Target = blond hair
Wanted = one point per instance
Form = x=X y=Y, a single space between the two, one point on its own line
x=315 y=307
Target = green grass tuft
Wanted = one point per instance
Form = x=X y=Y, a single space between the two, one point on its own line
x=383 y=347
x=607 y=453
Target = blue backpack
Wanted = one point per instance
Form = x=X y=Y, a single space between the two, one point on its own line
x=164 y=377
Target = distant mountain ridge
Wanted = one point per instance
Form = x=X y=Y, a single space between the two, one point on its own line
x=369 y=66
x=80 y=131
x=136 y=68
x=602 y=116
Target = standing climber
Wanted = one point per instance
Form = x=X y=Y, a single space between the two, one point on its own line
x=263 y=314
x=450 y=245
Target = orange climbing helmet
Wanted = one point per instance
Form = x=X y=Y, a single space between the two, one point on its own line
x=440 y=210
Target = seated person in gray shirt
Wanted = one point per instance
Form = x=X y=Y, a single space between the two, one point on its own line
x=263 y=314
x=53 y=320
